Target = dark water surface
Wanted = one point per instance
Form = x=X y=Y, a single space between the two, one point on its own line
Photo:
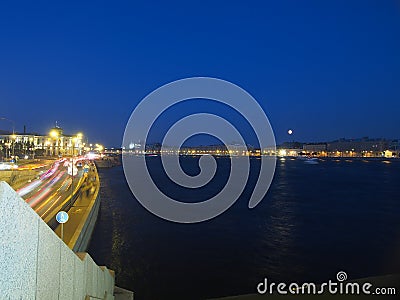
x=316 y=220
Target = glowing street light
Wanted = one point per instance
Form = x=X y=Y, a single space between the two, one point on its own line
x=53 y=134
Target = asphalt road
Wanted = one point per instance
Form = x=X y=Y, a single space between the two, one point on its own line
x=53 y=190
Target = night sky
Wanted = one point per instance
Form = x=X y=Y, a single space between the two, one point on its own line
x=326 y=69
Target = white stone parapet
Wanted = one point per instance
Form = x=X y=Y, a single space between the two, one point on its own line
x=36 y=264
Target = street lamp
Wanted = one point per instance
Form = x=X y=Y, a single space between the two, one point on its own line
x=76 y=139
x=32 y=147
x=47 y=144
x=8 y=144
x=79 y=137
x=14 y=137
x=13 y=131
x=54 y=134
x=73 y=141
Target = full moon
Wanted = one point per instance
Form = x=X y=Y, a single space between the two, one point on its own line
x=290 y=131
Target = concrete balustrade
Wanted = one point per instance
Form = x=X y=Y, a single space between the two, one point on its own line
x=36 y=264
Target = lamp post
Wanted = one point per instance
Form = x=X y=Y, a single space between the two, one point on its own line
x=79 y=137
x=14 y=137
x=8 y=144
x=72 y=170
x=54 y=135
x=32 y=147
x=73 y=141
x=13 y=131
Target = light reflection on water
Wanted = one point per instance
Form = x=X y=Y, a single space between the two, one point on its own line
x=316 y=220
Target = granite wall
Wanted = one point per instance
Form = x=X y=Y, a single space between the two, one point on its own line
x=36 y=264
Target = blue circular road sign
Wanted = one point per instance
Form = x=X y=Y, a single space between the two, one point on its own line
x=62 y=217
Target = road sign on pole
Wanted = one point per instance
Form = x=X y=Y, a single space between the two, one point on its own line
x=62 y=217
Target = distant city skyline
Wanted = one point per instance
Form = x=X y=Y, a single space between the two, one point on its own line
x=208 y=141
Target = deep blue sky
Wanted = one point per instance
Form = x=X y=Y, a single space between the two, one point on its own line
x=327 y=69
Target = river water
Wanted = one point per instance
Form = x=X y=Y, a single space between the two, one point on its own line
x=316 y=220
